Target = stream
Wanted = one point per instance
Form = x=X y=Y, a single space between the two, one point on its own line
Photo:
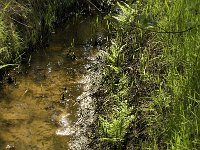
x=40 y=109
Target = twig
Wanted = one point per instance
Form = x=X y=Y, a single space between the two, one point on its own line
x=170 y=32
x=20 y=22
x=100 y=10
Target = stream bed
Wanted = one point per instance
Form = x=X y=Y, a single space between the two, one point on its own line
x=41 y=108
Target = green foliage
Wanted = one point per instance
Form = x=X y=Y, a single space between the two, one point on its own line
x=126 y=15
x=25 y=23
x=161 y=60
x=10 y=41
x=179 y=107
x=113 y=128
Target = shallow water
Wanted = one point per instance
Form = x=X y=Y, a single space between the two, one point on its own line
x=40 y=110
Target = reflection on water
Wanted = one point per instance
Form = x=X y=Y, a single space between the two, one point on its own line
x=40 y=111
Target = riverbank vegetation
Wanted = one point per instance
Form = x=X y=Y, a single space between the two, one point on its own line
x=149 y=92
x=27 y=24
x=150 y=77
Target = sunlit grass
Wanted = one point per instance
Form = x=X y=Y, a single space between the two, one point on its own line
x=161 y=58
x=179 y=122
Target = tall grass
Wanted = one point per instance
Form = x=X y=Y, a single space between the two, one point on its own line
x=160 y=58
x=179 y=121
x=10 y=41
x=26 y=23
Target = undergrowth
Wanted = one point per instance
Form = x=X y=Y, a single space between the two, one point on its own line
x=152 y=70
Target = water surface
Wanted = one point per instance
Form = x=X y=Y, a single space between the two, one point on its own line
x=40 y=110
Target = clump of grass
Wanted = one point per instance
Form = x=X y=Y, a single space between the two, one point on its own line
x=10 y=41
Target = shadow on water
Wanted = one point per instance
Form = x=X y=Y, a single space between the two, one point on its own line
x=40 y=110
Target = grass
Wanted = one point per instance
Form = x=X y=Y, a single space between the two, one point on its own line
x=151 y=72
x=27 y=23
x=157 y=49
x=178 y=98
x=10 y=41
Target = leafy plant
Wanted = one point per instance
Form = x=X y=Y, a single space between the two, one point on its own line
x=114 y=127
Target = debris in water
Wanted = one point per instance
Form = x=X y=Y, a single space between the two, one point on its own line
x=10 y=147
